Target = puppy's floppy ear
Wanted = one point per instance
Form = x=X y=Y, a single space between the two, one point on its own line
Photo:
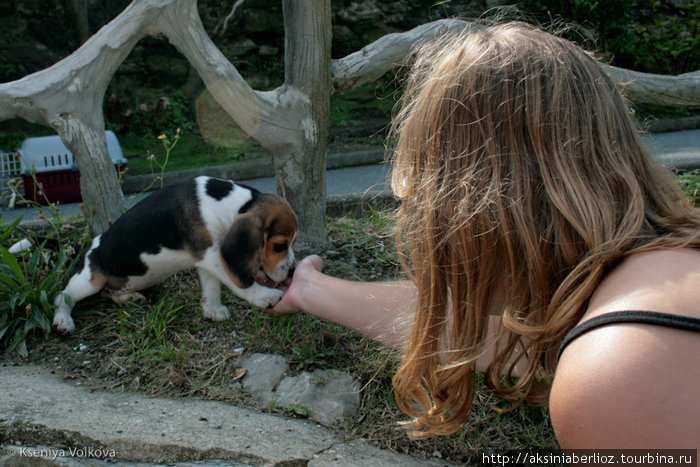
x=241 y=249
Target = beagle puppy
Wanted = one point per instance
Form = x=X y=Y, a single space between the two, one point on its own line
x=233 y=234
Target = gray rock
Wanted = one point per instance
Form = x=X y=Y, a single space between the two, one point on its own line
x=329 y=396
x=264 y=372
x=254 y=21
x=239 y=48
x=326 y=396
x=360 y=11
x=268 y=50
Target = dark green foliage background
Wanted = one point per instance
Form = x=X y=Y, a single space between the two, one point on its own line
x=152 y=92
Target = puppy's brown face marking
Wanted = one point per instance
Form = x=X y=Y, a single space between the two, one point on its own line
x=280 y=235
x=260 y=241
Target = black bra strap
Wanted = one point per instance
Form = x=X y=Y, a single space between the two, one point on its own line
x=686 y=323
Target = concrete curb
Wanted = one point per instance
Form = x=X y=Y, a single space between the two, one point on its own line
x=672 y=124
x=40 y=409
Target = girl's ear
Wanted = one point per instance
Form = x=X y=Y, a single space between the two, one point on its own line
x=242 y=249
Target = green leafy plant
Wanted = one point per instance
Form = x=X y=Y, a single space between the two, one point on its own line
x=353 y=107
x=668 y=42
x=28 y=284
x=11 y=141
x=151 y=113
x=168 y=146
x=30 y=280
x=297 y=410
x=7 y=230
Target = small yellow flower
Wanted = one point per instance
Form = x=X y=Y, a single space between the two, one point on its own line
x=162 y=136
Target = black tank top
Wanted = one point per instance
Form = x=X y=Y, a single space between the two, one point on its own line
x=632 y=316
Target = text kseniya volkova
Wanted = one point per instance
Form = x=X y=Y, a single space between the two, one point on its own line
x=53 y=454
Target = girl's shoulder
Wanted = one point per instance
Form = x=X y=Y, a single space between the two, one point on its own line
x=664 y=281
x=626 y=385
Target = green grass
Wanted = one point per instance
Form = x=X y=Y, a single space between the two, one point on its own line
x=165 y=347
x=218 y=140
x=690 y=182
x=146 y=330
x=191 y=152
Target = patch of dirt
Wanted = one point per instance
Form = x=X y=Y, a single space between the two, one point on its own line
x=117 y=348
x=164 y=347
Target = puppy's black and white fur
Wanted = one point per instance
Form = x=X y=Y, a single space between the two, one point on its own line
x=233 y=234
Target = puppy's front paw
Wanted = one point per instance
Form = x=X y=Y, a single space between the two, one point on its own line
x=216 y=312
x=266 y=297
x=63 y=323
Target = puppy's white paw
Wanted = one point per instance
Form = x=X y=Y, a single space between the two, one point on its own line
x=216 y=312
x=63 y=322
x=266 y=297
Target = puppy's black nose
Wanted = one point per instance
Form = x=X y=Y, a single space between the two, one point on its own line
x=290 y=273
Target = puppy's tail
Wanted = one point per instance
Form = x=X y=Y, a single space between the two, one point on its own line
x=22 y=245
x=72 y=248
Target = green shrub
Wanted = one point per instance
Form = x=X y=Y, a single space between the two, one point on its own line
x=151 y=114
x=28 y=284
x=669 y=43
x=653 y=36
x=377 y=99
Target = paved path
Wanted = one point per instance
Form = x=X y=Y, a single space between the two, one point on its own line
x=680 y=149
x=367 y=178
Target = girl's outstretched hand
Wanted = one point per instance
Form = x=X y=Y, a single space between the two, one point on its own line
x=291 y=302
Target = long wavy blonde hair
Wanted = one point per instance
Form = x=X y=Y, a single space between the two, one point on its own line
x=523 y=180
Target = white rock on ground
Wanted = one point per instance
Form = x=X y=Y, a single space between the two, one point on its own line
x=325 y=396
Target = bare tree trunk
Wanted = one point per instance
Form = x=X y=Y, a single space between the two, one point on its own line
x=300 y=168
x=86 y=140
x=193 y=84
x=291 y=122
x=390 y=51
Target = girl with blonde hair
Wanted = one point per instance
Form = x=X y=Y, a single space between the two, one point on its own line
x=542 y=243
